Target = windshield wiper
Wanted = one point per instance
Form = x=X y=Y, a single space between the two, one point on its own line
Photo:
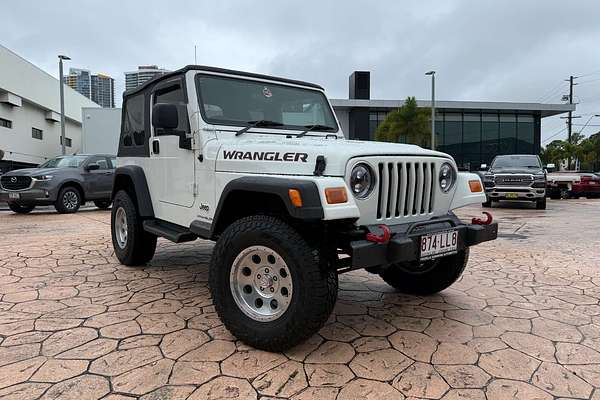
x=315 y=127
x=256 y=124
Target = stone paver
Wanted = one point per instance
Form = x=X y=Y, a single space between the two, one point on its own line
x=522 y=323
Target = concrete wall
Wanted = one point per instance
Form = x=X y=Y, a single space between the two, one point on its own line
x=101 y=130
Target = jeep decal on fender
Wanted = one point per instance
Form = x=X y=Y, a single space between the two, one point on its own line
x=264 y=156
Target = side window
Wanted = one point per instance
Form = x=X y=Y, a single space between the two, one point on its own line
x=112 y=162
x=133 y=121
x=173 y=94
x=100 y=161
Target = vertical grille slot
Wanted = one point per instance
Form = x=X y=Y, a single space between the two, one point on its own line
x=405 y=189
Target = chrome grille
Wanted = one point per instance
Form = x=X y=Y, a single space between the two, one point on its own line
x=513 y=180
x=405 y=189
x=15 y=182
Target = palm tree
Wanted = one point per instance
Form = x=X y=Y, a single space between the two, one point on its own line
x=408 y=124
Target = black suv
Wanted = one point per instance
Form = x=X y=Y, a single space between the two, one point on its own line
x=519 y=177
x=65 y=182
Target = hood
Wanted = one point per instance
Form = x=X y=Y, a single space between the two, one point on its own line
x=278 y=154
x=32 y=171
x=532 y=171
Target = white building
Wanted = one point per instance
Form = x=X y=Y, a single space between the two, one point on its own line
x=30 y=113
x=144 y=73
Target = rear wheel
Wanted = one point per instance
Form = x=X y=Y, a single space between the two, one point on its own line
x=269 y=285
x=132 y=244
x=20 y=209
x=540 y=204
x=68 y=200
x=102 y=204
x=428 y=277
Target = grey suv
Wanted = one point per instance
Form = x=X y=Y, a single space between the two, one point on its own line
x=65 y=182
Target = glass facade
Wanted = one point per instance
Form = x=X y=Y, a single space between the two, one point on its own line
x=475 y=138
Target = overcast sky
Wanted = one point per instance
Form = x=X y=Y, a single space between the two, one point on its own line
x=485 y=50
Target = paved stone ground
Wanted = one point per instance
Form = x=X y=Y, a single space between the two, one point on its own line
x=523 y=323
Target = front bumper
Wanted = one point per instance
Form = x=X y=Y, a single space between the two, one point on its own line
x=515 y=193
x=403 y=245
x=31 y=196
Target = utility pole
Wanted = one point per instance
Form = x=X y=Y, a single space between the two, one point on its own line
x=570 y=118
x=432 y=73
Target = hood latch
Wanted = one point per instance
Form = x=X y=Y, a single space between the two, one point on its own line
x=320 y=165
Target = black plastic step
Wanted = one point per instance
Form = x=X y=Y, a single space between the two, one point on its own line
x=173 y=232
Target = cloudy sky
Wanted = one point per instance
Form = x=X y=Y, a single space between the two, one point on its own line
x=487 y=50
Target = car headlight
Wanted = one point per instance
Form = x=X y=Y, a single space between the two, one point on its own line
x=362 y=180
x=447 y=177
x=539 y=178
x=42 y=177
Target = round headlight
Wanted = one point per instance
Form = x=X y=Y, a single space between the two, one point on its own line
x=447 y=177
x=362 y=180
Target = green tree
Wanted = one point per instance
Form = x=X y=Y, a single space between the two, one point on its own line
x=554 y=152
x=408 y=124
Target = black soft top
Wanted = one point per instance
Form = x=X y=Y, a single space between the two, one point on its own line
x=183 y=70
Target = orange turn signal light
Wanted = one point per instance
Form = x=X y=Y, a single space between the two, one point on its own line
x=295 y=197
x=475 y=186
x=336 y=195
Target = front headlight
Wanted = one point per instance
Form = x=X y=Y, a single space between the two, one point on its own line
x=42 y=177
x=362 y=180
x=539 y=178
x=447 y=177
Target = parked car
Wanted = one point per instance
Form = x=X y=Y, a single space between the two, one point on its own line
x=518 y=177
x=66 y=182
x=588 y=186
x=560 y=184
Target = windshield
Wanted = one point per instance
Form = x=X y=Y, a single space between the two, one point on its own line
x=239 y=102
x=64 y=162
x=516 y=162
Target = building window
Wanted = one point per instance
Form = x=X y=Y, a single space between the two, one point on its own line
x=37 y=133
x=525 y=134
x=5 y=123
x=508 y=134
x=68 y=141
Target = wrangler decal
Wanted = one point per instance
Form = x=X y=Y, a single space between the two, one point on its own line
x=265 y=155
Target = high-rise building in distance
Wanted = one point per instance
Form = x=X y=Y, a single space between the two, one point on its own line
x=144 y=73
x=99 y=88
x=103 y=90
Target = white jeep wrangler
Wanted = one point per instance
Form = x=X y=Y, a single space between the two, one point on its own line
x=259 y=165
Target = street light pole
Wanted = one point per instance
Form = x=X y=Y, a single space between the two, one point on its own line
x=432 y=73
x=62 y=103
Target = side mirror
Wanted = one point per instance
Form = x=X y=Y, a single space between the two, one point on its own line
x=92 y=167
x=483 y=167
x=165 y=116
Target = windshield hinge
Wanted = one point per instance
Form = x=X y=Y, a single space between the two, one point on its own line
x=320 y=165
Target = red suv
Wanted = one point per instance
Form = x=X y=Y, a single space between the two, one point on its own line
x=589 y=186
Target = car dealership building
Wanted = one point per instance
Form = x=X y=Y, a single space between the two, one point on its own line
x=473 y=132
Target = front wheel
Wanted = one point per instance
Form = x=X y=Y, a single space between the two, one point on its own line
x=132 y=244
x=541 y=204
x=428 y=277
x=20 y=209
x=487 y=204
x=270 y=286
x=68 y=200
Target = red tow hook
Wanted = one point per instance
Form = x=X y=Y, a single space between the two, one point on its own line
x=371 y=237
x=479 y=221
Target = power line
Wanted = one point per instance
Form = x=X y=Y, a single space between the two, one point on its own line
x=554 y=135
x=552 y=92
x=590 y=73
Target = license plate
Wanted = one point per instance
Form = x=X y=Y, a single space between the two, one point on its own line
x=512 y=195
x=438 y=244
x=14 y=196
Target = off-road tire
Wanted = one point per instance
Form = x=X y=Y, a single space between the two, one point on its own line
x=437 y=274
x=61 y=200
x=487 y=204
x=140 y=245
x=102 y=204
x=540 y=204
x=20 y=209
x=314 y=286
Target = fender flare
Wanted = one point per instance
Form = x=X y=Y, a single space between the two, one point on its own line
x=311 y=209
x=142 y=198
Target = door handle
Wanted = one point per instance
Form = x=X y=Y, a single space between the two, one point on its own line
x=156 y=146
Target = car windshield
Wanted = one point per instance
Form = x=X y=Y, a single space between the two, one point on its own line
x=64 y=162
x=516 y=162
x=239 y=102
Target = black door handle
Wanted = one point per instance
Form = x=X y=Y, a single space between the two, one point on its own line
x=155 y=146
